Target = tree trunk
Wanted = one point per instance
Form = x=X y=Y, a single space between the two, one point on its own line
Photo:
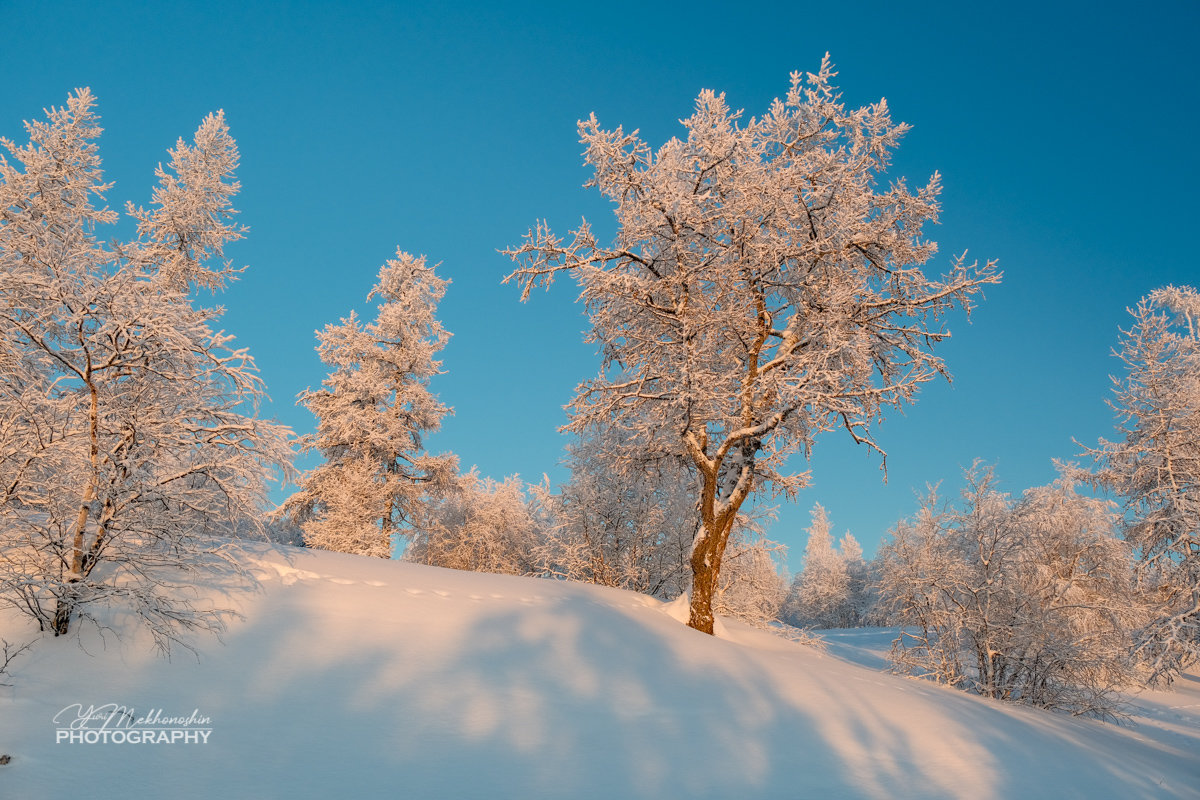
x=716 y=522
x=65 y=604
x=704 y=586
x=62 y=616
x=706 y=573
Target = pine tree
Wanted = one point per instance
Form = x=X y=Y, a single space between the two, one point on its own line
x=820 y=594
x=860 y=598
x=373 y=413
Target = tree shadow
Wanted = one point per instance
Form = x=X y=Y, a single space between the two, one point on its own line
x=417 y=682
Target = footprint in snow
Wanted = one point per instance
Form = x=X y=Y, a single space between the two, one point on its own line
x=414 y=591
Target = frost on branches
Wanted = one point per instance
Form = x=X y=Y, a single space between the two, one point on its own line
x=763 y=287
x=834 y=588
x=1155 y=468
x=372 y=414
x=477 y=525
x=128 y=436
x=1028 y=600
x=626 y=518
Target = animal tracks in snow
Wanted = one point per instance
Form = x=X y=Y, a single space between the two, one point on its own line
x=289 y=575
x=476 y=597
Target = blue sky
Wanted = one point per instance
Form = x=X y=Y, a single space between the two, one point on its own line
x=1065 y=134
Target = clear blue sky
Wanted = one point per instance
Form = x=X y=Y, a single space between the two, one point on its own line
x=1066 y=135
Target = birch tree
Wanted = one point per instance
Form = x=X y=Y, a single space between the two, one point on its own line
x=762 y=288
x=129 y=439
x=373 y=412
x=1154 y=466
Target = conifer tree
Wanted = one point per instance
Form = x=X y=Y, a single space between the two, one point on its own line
x=373 y=412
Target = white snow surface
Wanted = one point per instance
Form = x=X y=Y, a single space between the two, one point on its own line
x=356 y=677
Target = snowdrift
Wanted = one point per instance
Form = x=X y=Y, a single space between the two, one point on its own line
x=355 y=677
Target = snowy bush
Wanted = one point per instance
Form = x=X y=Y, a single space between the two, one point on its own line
x=752 y=588
x=477 y=525
x=625 y=518
x=1031 y=601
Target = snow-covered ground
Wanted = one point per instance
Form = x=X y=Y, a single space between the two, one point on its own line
x=351 y=677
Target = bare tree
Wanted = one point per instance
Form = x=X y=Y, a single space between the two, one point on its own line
x=373 y=413
x=762 y=288
x=129 y=439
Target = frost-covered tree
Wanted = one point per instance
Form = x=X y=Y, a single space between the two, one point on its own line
x=860 y=583
x=820 y=591
x=1155 y=467
x=751 y=587
x=129 y=440
x=626 y=518
x=832 y=590
x=763 y=287
x=1029 y=601
x=478 y=525
x=373 y=413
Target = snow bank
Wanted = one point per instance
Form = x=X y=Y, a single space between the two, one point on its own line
x=358 y=677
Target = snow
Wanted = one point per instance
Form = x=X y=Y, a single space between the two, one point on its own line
x=352 y=676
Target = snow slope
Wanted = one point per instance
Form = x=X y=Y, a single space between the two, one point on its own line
x=353 y=677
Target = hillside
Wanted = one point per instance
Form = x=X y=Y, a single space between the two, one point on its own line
x=353 y=677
